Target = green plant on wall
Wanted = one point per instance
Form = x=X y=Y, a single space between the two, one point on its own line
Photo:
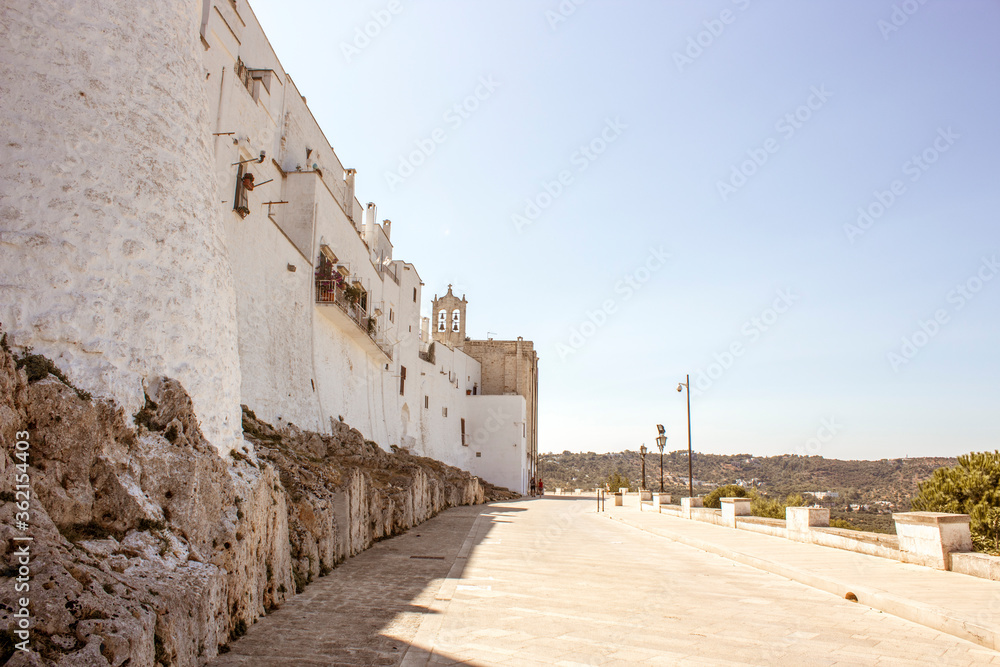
x=972 y=487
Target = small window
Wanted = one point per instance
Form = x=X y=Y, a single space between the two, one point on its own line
x=444 y=412
x=402 y=379
x=456 y=317
x=479 y=455
x=392 y=317
x=414 y=295
x=442 y=320
x=427 y=402
x=464 y=442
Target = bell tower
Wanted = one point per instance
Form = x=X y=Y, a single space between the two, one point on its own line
x=448 y=320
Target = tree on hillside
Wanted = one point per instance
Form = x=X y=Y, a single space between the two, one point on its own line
x=617 y=480
x=972 y=487
x=729 y=491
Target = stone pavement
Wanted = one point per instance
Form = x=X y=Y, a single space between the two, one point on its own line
x=551 y=582
x=962 y=605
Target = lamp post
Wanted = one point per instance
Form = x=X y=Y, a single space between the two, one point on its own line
x=661 y=442
x=687 y=385
x=642 y=453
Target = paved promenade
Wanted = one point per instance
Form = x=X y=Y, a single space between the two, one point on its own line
x=551 y=582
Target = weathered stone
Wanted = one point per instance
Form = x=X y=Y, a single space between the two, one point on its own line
x=151 y=549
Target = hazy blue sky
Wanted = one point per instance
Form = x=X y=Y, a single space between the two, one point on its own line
x=740 y=138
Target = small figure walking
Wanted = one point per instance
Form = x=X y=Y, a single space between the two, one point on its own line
x=532 y=485
x=541 y=487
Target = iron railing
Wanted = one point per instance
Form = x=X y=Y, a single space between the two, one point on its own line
x=332 y=292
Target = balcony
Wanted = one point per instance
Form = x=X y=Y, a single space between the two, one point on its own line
x=331 y=297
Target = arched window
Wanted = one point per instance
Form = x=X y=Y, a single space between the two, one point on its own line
x=442 y=320
x=456 y=317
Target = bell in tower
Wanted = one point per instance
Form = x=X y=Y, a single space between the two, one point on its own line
x=448 y=320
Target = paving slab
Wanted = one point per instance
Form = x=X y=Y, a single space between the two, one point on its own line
x=549 y=581
x=952 y=603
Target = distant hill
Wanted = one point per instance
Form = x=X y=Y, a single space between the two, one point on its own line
x=866 y=482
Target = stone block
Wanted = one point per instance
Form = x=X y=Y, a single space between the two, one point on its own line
x=799 y=521
x=618 y=499
x=732 y=508
x=645 y=495
x=687 y=504
x=661 y=499
x=927 y=538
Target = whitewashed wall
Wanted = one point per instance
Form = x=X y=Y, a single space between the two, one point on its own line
x=111 y=236
x=498 y=436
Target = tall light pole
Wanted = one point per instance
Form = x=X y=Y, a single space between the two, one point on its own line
x=687 y=385
x=642 y=453
x=661 y=442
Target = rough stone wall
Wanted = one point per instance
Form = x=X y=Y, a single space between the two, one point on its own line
x=151 y=549
x=110 y=227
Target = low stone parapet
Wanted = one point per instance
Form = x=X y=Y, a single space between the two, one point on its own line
x=799 y=521
x=732 y=508
x=862 y=542
x=687 y=504
x=672 y=510
x=707 y=515
x=928 y=538
x=661 y=498
x=764 y=525
x=979 y=565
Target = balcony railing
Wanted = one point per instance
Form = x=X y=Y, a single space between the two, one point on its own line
x=390 y=270
x=332 y=292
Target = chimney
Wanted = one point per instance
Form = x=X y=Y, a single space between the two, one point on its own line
x=349 y=204
x=386 y=227
x=370 y=220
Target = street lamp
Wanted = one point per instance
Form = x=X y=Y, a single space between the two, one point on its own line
x=687 y=385
x=661 y=442
x=642 y=453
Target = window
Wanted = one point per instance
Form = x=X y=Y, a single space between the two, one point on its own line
x=444 y=412
x=414 y=295
x=427 y=402
x=442 y=320
x=402 y=379
x=456 y=316
x=392 y=317
x=464 y=442
x=479 y=455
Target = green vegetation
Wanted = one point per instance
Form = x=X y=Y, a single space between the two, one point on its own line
x=972 y=487
x=617 y=480
x=714 y=499
x=773 y=508
x=38 y=367
x=888 y=481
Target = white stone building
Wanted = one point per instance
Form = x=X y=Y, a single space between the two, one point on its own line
x=328 y=320
x=192 y=220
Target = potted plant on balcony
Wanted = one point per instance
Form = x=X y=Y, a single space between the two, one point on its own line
x=371 y=326
x=353 y=294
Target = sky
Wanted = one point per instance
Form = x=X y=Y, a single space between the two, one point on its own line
x=794 y=203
